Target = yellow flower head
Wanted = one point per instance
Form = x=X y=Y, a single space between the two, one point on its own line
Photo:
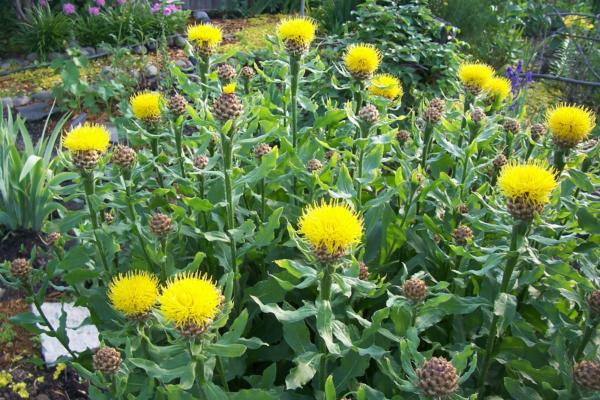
x=475 y=75
x=386 y=85
x=362 y=60
x=300 y=30
x=190 y=298
x=205 y=35
x=87 y=137
x=229 y=88
x=146 y=105
x=532 y=181
x=133 y=293
x=570 y=124
x=331 y=226
x=580 y=21
x=497 y=88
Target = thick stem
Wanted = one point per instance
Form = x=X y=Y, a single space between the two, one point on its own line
x=222 y=375
x=263 y=203
x=179 y=147
x=511 y=262
x=89 y=187
x=463 y=123
x=427 y=139
x=134 y=227
x=203 y=67
x=587 y=336
x=38 y=307
x=559 y=160
x=154 y=146
x=294 y=77
x=325 y=295
x=227 y=154
x=364 y=132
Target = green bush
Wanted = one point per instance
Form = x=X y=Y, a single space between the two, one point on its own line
x=44 y=31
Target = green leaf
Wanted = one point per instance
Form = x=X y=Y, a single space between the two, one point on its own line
x=505 y=307
x=226 y=350
x=300 y=314
x=303 y=372
x=587 y=221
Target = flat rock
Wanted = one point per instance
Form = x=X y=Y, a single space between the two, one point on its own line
x=21 y=100
x=31 y=57
x=78 y=120
x=81 y=337
x=44 y=95
x=180 y=41
x=200 y=15
x=88 y=51
x=114 y=133
x=150 y=70
x=184 y=65
x=139 y=49
x=36 y=111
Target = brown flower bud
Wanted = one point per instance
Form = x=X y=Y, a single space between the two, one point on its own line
x=123 y=156
x=414 y=289
x=177 y=104
x=462 y=234
x=369 y=114
x=594 y=302
x=587 y=374
x=160 y=224
x=247 y=72
x=499 y=162
x=363 y=271
x=107 y=360
x=226 y=73
x=437 y=377
x=402 y=136
x=53 y=238
x=20 y=268
x=537 y=131
x=200 y=162
x=261 y=149
x=314 y=165
x=478 y=115
x=511 y=125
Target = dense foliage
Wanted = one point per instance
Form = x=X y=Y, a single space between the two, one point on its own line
x=290 y=229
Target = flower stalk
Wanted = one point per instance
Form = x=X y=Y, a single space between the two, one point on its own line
x=294 y=78
x=427 y=139
x=89 y=189
x=518 y=232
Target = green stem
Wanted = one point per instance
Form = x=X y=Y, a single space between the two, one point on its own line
x=36 y=304
x=136 y=231
x=463 y=123
x=154 y=146
x=427 y=139
x=89 y=187
x=163 y=266
x=246 y=87
x=587 y=336
x=178 y=145
x=364 y=132
x=325 y=296
x=294 y=77
x=227 y=154
x=263 y=203
x=559 y=160
x=203 y=67
x=222 y=374
x=511 y=262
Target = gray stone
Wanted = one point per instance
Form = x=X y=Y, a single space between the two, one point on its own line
x=44 y=95
x=200 y=15
x=31 y=57
x=78 y=120
x=151 y=46
x=81 y=337
x=180 y=41
x=21 y=100
x=107 y=71
x=171 y=41
x=184 y=65
x=150 y=70
x=54 y=56
x=114 y=133
x=139 y=49
x=135 y=74
x=7 y=102
x=87 y=51
x=36 y=111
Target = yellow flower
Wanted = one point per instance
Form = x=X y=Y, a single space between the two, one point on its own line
x=475 y=75
x=331 y=226
x=362 y=60
x=570 y=124
x=190 y=298
x=229 y=88
x=60 y=367
x=133 y=293
x=532 y=182
x=87 y=137
x=300 y=30
x=205 y=35
x=146 y=105
x=5 y=379
x=20 y=389
x=497 y=88
x=386 y=85
x=580 y=21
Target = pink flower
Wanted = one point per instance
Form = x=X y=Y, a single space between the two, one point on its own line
x=121 y=2
x=100 y=3
x=170 y=9
x=155 y=8
x=94 y=11
x=68 y=8
x=43 y=3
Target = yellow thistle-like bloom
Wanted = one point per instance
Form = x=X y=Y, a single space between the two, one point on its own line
x=205 y=35
x=362 y=60
x=386 y=85
x=87 y=137
x=229 y=88
x=570 y=124
x=497 y=88
x=332 y=226
x=532 y=182
x=133 y=293
x=300 y=30
x=580 y=21
x=190 y=298
x=146 y=105
x=475 y=76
